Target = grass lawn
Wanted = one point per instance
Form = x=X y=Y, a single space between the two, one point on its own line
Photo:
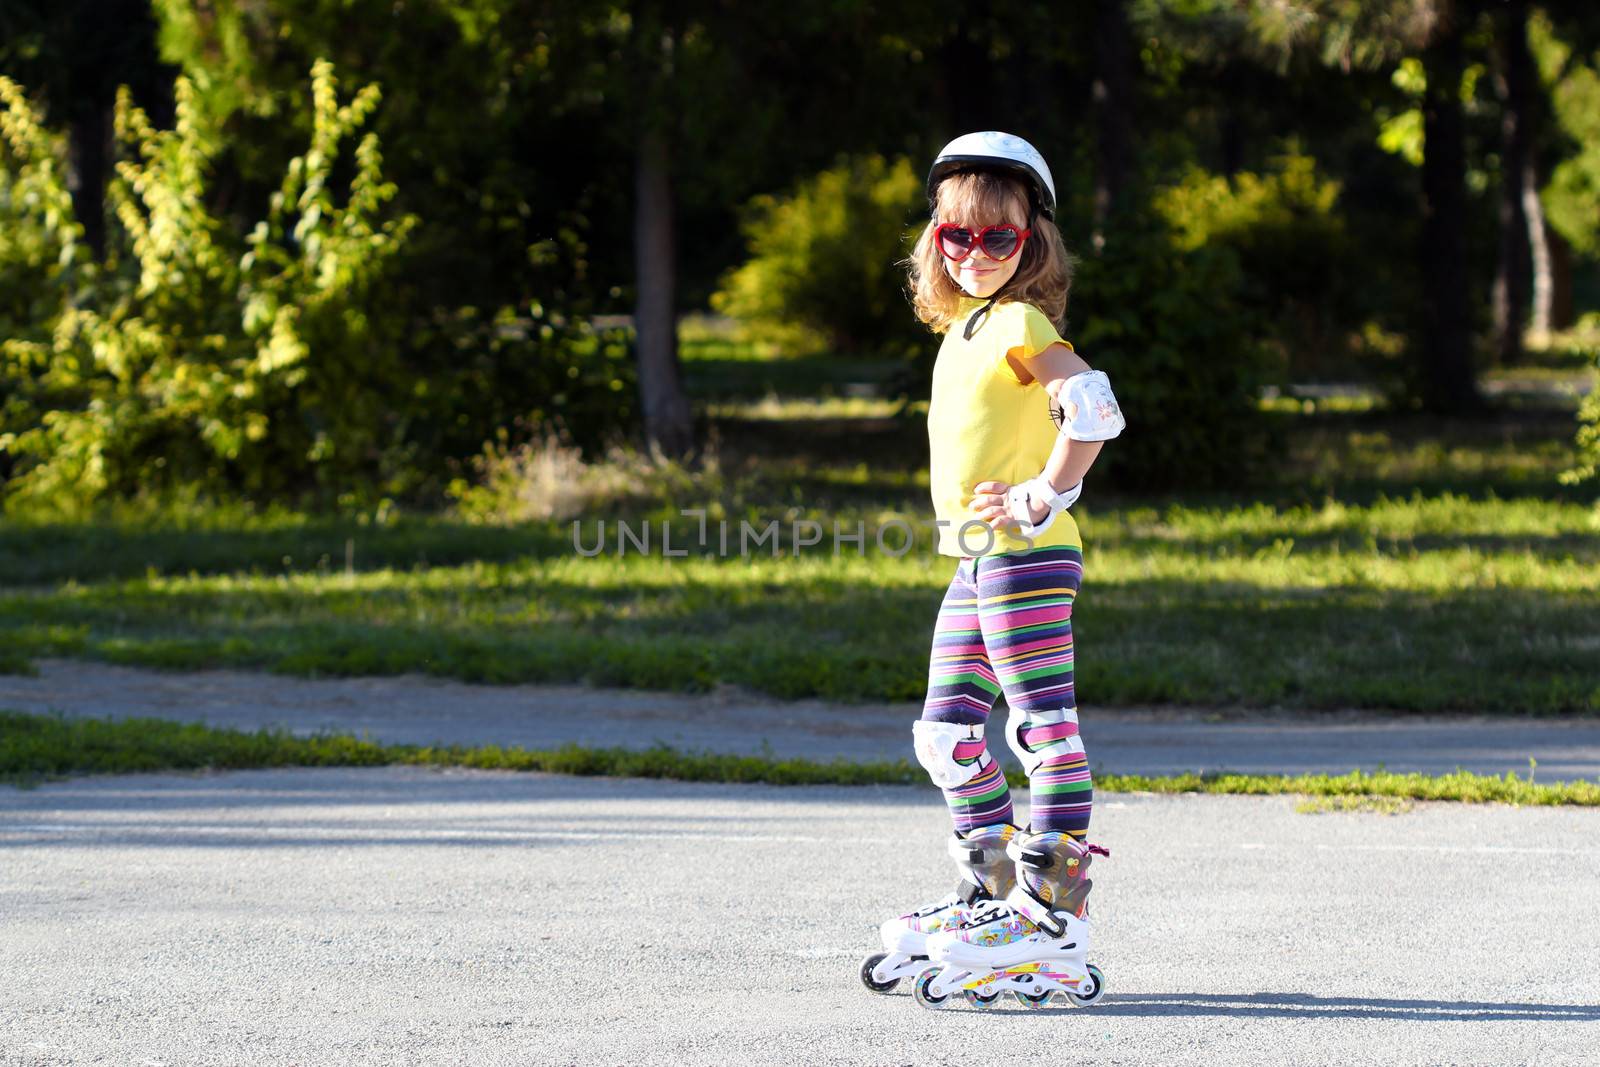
x=1416 y=565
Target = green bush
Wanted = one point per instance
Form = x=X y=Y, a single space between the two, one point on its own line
x=42 y=259
x=1299 y=266
x=200 y=356
x=1572 y=197
x=822 y=273
x=1588 y=439
x=280 y=357
x=1181 y=350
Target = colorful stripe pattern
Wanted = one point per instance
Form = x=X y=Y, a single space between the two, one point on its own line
x=1005 y=625
x=984 y=801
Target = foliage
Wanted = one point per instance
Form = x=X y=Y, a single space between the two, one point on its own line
x=273 y=359
x=1400 y=132
x=493 y=295
x=42 y=259
x=1572 y=197
x=1164 y=322
x=823 y=270
x=1299 y=265
x=548 y=478
x=1588 y=438
x=190 y=360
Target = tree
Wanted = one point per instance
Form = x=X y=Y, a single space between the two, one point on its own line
x=1446 y=336
x=1520 y=228
x=1565 y=40
x=1113 y=110
x=667 y=424
x=75 y=53
x=1375 y=34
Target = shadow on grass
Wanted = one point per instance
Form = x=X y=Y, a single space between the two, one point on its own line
x=37 y=554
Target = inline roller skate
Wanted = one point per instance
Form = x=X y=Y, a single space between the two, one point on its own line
x=1032 y=944
x=987 y=875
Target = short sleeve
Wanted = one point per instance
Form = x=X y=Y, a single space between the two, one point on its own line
x=1032 y=333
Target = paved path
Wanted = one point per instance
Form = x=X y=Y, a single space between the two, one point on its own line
x=423 y=916
x=423 y=710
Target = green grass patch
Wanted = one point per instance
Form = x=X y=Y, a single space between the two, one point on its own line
x=1421 y=604
x=1344 y=804
x=1405 y=565
x=37 y=748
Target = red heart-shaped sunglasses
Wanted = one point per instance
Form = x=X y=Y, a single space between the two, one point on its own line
x=998 y=242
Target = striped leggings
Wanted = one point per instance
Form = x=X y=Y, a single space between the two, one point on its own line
x=1006 y=625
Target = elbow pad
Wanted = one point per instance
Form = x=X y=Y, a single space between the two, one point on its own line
x=1097 y=417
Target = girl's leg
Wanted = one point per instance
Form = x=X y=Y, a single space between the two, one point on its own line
x=961 y=692
x=1025 y=613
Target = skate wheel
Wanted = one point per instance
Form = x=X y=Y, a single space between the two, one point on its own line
x=978 y=1000
x=920 y=990
x=868 y=965
x=1096 y=986
x=1031 y=1000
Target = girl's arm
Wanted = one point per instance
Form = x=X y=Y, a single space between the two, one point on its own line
x=1069 y=460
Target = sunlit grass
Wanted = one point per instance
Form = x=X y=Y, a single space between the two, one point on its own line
x=1424 y=604
x=774 y=407
x=1290 y=404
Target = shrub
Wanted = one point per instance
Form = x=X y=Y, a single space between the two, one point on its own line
x=197 y=355
x=822 y=272
x=42 y=260
x=1572 y=84
x=1164 y=323
x=1588 y=439
x=1299 y=266
x=548 y=479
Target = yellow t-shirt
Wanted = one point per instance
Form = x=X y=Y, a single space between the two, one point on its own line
x=985 y=425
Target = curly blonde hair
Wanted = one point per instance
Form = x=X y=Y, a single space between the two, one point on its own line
x=982 y=198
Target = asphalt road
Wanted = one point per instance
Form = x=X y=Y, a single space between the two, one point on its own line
x=414 y=709
x=423 y=916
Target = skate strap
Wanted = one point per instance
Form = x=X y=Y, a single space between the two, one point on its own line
x=969 y=893
x=1026 y=904
x=965 y=852
x=1037 y=858
x=1040 y=859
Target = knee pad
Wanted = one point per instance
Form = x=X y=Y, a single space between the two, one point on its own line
x=1036 y=734
x=951 y=752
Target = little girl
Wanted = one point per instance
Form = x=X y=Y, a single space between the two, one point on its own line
x=1015 y=420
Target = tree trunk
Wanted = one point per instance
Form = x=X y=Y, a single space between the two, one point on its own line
x=1562 y=314
x=1544 y=288
x=1445 y=346
x=667 y=421
x=1514 y=82
x=88 y=153
x=1113 y=110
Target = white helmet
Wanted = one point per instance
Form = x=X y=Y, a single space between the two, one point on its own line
x=999 y=151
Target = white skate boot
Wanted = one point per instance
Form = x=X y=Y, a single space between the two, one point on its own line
x=1033 y=944
x=987 y=875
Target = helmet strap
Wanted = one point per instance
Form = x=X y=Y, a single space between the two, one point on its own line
x=977 y=318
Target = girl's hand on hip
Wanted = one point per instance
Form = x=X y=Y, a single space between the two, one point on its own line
x=989 y=503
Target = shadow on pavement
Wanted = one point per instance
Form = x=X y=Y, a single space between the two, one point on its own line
x=1305 y=1005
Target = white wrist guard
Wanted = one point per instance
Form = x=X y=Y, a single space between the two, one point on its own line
x=1021 y=498
x=1094 y=413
